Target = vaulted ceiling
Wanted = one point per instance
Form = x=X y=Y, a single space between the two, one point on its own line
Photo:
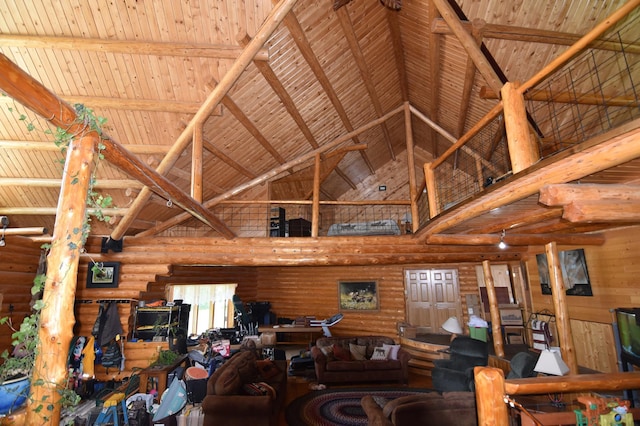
x=153 y=68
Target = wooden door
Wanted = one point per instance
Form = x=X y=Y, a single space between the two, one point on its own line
x=431 y=296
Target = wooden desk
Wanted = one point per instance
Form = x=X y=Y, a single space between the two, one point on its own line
x=161 y=373
x=265 y=329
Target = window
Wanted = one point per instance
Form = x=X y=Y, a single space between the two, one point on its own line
x=209 y=305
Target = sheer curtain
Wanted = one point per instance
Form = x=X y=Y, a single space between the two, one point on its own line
x=209 y=304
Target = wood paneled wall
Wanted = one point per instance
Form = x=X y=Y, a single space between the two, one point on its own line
x=613 y=271
x=19 y=260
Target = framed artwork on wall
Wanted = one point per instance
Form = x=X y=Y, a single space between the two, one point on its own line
x=103 y=274
x=358 y=295
x=574 y=273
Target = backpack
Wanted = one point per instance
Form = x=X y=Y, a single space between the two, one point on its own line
x=112 y=355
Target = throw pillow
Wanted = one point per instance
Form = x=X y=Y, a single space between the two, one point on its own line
x=327 y=350
x=259 y=389
x=393 y=350
x=341 y=353
x=380 y=353
x=228 y=383
x=358 y=352
x=267 y=368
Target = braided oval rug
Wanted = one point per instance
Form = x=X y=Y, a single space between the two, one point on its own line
x=338 y=407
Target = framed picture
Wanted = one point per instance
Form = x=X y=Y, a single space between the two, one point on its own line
x=574 y=273
x=103 y=274
x=358 y=295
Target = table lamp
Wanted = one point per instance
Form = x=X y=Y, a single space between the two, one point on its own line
x=550 y=362
x=452 y=325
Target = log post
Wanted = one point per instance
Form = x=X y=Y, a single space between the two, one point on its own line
x=496 y=331
x=411 y=164
x=490 y=404
x=522 y=148
x=315 y=208
x=57 y=316
x=560 y=308
x=430 y=181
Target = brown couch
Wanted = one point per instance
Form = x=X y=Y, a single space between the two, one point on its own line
x=245 y=391
x=447 y=409
x=349 y=360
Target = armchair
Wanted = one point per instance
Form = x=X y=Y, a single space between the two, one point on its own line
x=456 y=373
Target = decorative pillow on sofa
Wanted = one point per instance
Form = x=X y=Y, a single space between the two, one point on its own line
x=380 y=353
x=259 y=389
x=358 y=352
x=267 y=368
x=328 y=352
x=393 y=350
x=341 y=353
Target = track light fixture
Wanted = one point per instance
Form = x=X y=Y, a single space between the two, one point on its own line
x=502 y=245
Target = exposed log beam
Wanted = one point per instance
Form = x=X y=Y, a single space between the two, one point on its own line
x=24 y=231
x=50 y=146
x=534 y=35
x=188 y=50
x=226 y=159
x=33 y=95
x=55 y=183
x=51 y=211
x=469 y=44
x=251 y=127
x=602 y=211
x=434 y=78
x=477 y=31
x=270 y=24
x=569 y=98
x=365 y=75
x=610 y=149
x=279 y=89
x=516 y=239
x=300 y=38
x=272 y=173
x=561 y=194
x=524 y=218
x=152 y=105
x=396 y=40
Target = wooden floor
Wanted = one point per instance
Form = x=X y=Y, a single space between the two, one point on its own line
x=299 y=386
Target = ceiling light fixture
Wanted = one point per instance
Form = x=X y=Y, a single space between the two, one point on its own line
x=502 y=245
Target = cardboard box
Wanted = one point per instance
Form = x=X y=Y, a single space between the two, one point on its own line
x=511 y=316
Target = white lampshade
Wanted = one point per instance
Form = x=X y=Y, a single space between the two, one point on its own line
x=550 y=362
x=452 y=325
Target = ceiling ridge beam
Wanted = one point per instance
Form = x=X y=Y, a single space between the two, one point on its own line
x=271 y=23
x=188 y=50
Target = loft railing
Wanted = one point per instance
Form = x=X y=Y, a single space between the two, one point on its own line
x=592 y=87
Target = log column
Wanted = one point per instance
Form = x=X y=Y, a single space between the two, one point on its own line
x=489 y=396
x=496 y=331
x=522 y=148
x=560 y=308
x=57 y=316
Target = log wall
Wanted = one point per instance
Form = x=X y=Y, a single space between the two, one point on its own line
x=613 y=271
x=18 y=267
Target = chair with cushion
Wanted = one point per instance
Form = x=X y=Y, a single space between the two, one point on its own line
x=522 y=365
x=456 y=373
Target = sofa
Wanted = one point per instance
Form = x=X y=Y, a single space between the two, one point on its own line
x=359 y=359
x=245 y=391
x=446 y=409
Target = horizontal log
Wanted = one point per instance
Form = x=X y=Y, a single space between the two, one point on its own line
x=602 y=211
x=560 y=194
x=573 y=383
x=517 y=239
x=568 y=97
x=48 y=146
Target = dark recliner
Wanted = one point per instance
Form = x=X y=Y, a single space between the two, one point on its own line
x=522 y=365
x=456 y=373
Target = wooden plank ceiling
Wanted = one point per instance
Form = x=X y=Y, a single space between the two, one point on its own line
x=148 y=66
